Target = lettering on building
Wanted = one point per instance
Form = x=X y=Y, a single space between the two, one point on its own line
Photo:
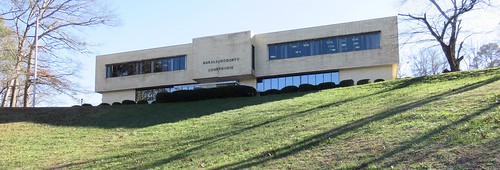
x=220 y=68
x=227 y=60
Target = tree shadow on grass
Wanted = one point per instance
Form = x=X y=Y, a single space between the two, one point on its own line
x=409 y=144
x=131 y=116
x=352 y=126
x=205 y=142
x=283 y=151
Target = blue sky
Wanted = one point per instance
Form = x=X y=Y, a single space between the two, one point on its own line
x=156 y=23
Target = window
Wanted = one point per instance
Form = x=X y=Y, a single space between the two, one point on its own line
x=316 y=47
x=253 y=57
x=182 y=63
x=375 y=40
x=272 y=52
x=329 y=45
x=342 y=47
x=308 y=48
x=356 y=42
x=282 y=51
x=147 y=66
x=296 y=80
x=319 y=79
x=296 y=50
x=157 y=66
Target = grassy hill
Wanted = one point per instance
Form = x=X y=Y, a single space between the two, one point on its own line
x=448 y=121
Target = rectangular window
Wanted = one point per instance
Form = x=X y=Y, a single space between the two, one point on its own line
x=319 y=78
x=316 y=47
x=356 y=42
x=335 y=77
x=109 y=71
x=297 y=49
x=303 y=79
x=349 y=42
x=267 y=84
x=177 y=63
x=145 y=67
x=327 y=77
x=253 y=57
x=342 y=47
x=307 y=48
x=311 y=79
x=157 y=66
x=296 y=81
x=375 y=40
x=289 y=81
x=272 y=52
x=274 y=83
x=329 y=45
x=260 y=86
x=367 y=41
x=282 y=51
x=182 y=63
x=281 y=82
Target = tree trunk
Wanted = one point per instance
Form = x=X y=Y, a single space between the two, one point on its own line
x=27 y=83
x=13 y=97
x=450 y=57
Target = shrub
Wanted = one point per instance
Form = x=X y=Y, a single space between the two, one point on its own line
x=185 y=95
x=128 y=102
x=306 y=87
x=163 y=97
x=203 y=94
x=326 y=85
x=142 y=102
x=270 y=92
x=86 y=105
x=364 y=81
x=289 y=89
x=116 y=104
x=236 y=91
x=379 y=80
x=346 y=83
x=76 y=106
x=104 y=104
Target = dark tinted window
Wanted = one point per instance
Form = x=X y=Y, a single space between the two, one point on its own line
x=327 y=45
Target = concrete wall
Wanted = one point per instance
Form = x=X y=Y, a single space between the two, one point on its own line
x=118 y=96
x=229 y=57
x=217 y=57
x=372 y=73
x=104 y=84
x=387 y=54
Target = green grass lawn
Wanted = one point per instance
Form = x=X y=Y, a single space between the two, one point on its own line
x=448 y=121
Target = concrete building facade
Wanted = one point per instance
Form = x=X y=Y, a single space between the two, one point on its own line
x=356 y=50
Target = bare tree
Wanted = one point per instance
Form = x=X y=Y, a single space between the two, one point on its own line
x=428 y=62
x=7 y=61
x=442 y=21
x=58 y=21
x=488 y=55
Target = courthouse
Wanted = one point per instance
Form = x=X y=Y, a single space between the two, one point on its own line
x=355 y=50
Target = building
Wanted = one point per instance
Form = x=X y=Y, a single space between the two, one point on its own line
x=355 y=50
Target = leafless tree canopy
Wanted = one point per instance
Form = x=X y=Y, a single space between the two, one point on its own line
x=442 y=22
x=488 y=56
x=428 y=62
x=60 y=22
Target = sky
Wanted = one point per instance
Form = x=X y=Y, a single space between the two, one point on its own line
x=157 y=23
